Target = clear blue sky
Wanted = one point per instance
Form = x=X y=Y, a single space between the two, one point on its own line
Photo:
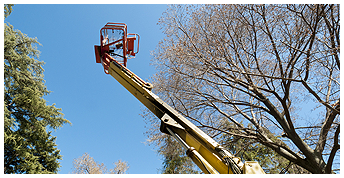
x=105 y=117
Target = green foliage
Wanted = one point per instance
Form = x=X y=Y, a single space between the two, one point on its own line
x=174 y=165
x=28 y=147
x=175 y=160
x=251 y=150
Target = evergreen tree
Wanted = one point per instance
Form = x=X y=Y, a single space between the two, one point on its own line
x=28 y=146
x=251 y=150
x=175 y=160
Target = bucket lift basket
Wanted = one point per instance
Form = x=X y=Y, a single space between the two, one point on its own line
x=116 y=45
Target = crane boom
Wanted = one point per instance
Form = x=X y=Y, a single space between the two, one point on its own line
x=203 y=150
x=207 y=154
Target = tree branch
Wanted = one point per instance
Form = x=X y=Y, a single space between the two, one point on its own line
x=304 y=83
x=325 y=129
x=335 y=147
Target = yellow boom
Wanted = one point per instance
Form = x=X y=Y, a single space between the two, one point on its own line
x=207 y=154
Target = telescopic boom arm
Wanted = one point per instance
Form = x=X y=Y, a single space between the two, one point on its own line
x=206 y=153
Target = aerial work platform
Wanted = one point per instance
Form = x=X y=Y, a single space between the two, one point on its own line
x=114 y=50
x=116 y=44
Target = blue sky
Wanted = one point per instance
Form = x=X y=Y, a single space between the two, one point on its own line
x=106 y=121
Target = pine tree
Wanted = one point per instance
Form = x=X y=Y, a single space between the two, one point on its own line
x=175 y=161
x=28 y=146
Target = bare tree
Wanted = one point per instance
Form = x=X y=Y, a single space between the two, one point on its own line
x=86 y=165
x=273 y=71
x=121 y=167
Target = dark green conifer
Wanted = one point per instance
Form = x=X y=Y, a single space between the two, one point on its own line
x=28 y=146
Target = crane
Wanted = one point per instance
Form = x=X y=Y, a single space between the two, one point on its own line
x=116 y=47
